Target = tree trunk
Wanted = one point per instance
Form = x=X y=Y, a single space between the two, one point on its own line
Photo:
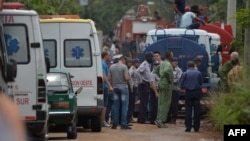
x=246 y=70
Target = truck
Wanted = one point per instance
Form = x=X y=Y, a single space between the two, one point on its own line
x=136 y=23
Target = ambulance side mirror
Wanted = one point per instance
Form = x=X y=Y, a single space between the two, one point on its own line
x=79 y=90
x=11 y=70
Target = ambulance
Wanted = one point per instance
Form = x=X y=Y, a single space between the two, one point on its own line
x=7 y=67
x=72 y=44
x=24 y=44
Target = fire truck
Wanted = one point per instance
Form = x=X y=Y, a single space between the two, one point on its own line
x=135 y=24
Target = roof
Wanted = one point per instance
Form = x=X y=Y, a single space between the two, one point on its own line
x=18 y=12
x=57 y=70
x=214 y=35
x=64 y=20
x=177 y=31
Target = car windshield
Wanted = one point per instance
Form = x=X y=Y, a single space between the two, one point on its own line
x=57 y=82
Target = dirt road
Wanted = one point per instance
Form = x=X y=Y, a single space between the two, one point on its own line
x=144 y=132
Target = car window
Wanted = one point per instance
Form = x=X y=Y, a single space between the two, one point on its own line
x=77 y=53
x=57 y=81
x=16 y=38
x=50 y=47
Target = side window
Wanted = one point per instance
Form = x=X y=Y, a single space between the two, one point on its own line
x=50 y=51
x=77 y=53
x=16 y=38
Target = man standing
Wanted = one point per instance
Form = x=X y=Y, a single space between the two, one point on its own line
x=133 y=82
x=172 y=114
x=223 y=72
x=191 y=82
x=179 y=9
x=106 y=85
x=126 y=47
x=165 y=72
x=144 y=72
x=119 y=77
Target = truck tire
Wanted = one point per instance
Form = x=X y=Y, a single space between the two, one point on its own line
x=96 y=125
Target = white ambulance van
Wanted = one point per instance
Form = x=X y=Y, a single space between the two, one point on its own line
x=7 y=68
x=24 y=44
x=72 y=44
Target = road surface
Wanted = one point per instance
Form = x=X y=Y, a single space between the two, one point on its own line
x=144 y=132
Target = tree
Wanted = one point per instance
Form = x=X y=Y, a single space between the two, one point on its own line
x=51 y=7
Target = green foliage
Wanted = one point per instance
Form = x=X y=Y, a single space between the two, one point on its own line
x=230 y=108
x=51 y=7
x=242 y=17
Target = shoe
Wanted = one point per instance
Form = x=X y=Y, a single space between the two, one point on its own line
x=126 y=127
x=172 y=122
x=196 y=130
x=141 y=121
x=114 y=127
x=160 y=124
x=187 y=130
x=129 y=124
x=132 y=121
x=105 y=124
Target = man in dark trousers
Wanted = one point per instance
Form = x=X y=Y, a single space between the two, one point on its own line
x=191 y=81
x=144 y=72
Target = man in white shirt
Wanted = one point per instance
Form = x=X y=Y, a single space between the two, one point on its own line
x=190 y=20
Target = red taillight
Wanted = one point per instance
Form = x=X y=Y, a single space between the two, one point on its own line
x=12 y=5
x=99 y=85
x=41 y=92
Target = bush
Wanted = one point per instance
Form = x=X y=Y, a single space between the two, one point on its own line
x=229 y=108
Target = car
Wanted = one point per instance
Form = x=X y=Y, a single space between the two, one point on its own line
x=63 y=101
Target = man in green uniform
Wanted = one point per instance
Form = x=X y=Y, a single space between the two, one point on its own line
x=165 y=72
x=223 y=72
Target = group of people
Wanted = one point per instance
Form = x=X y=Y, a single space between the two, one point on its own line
x=189 y=17
x=156 y=83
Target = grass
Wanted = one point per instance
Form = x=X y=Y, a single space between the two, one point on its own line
x=229 y=108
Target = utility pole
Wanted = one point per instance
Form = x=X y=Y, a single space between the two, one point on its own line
x=246 y=70
x=231 y=10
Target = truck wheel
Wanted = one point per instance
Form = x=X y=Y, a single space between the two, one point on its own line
x=96 y=125
x=44 y=135
x=72 y=130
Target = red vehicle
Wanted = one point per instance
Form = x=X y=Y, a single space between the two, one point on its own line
x=226 y=34
x=134 y=24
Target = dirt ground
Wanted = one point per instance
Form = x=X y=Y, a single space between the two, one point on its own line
x=145 y=132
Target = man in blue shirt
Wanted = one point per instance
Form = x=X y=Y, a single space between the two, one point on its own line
x=106 y=85
x=191 y=82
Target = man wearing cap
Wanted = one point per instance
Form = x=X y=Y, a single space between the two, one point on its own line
x=153 y=98
x=133 y=83
x=144 y=72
